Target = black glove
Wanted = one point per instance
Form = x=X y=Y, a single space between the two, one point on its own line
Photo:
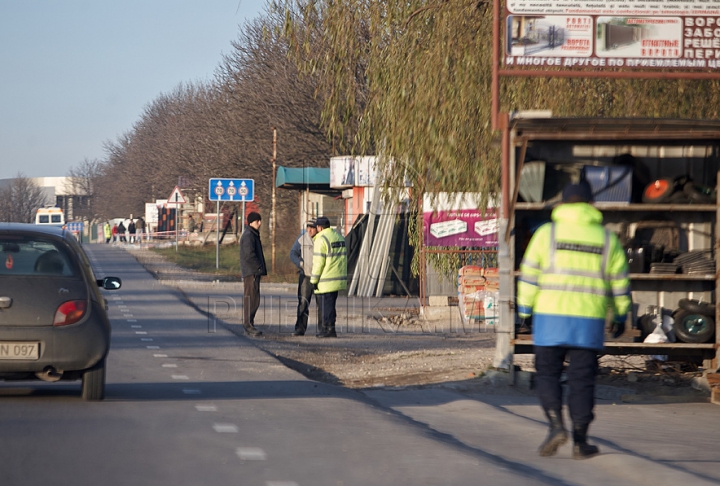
x=617 y=328
x=525 y=326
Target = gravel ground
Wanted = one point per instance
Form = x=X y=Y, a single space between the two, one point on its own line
x=411 y=356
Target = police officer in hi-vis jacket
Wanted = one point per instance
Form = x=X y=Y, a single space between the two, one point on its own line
x=329 y=272
x=572 y=272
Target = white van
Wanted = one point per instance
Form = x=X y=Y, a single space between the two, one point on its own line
x=50 y=217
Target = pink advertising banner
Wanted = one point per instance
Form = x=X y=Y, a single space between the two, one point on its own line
x=452 y=219
x=612 y=34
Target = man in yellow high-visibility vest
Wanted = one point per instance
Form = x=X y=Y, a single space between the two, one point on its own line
x=329 y=273
x=573 y=271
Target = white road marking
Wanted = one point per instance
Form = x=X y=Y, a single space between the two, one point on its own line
x=191 y=391
x=146 y=339
x=140 y=332
x=128 y=315
x=153 y=347
x=206 y=408
x=179 y=377
x=225 y=428
x=169 y=365
x=251 y=454
x=132 y=320
x=135 y=327
x=281 y=483
x=160 y=355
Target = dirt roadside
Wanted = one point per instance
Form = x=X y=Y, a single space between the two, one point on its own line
x=407 y=356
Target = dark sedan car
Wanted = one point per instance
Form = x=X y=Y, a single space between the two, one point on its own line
x=53 y=324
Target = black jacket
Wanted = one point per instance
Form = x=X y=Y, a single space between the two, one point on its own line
x=252 y=260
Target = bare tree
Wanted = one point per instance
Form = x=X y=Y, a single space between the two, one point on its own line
x=82 y=180
x=20 y=200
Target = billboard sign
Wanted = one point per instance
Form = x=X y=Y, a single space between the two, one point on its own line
x=659 y=34
x=453 y=219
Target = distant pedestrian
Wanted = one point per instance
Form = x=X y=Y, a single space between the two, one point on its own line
x=121 y=232
x=140 y=227
x=107 y=231
x=131 y=230
x=191 y=223
x=114 y=232
x=329 y=273
x=301 y=254
x=573 y=271
x=252 y=266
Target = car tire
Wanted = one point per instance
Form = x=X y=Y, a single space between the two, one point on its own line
x=693 y=328
x=699 y=194
x=698 y=307
x=93 y=382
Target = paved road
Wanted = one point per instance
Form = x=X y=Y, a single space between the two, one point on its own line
x=190 y=407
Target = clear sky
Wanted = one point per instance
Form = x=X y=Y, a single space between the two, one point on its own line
x=77 y=73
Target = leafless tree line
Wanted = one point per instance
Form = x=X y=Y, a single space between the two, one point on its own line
x=221 y=128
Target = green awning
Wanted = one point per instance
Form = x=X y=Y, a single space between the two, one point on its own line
x=315 y=179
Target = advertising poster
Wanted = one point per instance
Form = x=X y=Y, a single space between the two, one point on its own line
x=452 y=219
x=342 y=172
x=605 y=34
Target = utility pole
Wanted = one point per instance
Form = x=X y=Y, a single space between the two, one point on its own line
x=273 y=216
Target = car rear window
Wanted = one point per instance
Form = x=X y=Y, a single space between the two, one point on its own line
x=28 y=256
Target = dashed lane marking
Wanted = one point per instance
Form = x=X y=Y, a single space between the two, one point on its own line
x=153 y=347
x=146 y=339
x=225 y=428
x=281 y=483
x=206 y=408
x=140 y=332
x=180 y=377
x=251 y=454
x=159 y=355
x=191 y=391
x=169 y=365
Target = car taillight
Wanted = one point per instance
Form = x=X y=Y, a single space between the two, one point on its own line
x=69 y=312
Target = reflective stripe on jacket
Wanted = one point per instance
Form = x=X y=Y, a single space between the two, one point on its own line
x=572 y=271
x=329 y=267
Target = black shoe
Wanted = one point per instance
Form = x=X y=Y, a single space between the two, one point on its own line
x=252 y=331
x=327 y=334
x=557 y=435
x=298 y=333
x=581 y=449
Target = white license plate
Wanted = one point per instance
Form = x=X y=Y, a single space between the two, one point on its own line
x=20 y=350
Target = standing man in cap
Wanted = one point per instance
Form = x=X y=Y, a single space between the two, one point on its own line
x=573 y=270
x=252 y=267
x=329 y=273
x=301 y=254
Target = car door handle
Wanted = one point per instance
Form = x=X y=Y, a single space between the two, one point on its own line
x=5 y=302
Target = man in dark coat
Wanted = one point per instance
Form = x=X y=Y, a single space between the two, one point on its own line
x=252 y=267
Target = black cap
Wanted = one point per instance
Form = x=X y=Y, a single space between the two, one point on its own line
x=311 y=223
x=322 y=221
x=580 y=192
x=252 y=217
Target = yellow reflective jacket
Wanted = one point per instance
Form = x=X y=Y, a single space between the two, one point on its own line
x=572 y=271
x=329 y=267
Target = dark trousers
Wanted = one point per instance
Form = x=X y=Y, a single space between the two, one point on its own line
x=305 y=293
x=251 y=299
x=327 y=307
x=581 y=373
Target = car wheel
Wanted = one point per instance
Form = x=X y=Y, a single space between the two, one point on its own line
x=93 y=382
x=694 y=328
x=697 y=307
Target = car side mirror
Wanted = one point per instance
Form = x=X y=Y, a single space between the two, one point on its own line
x=110 y=283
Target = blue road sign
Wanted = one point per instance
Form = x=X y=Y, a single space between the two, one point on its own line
x=232 y=190
x=75 y=226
